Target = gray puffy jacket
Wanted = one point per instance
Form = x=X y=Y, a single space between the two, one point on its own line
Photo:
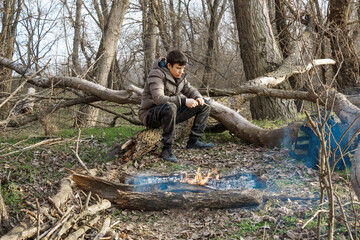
x=161 y=87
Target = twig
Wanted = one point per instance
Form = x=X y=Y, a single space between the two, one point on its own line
x=87 y=200
x=345 y=219
x=44 y=142
x=77 y=155
x=38 y=219
x=312 y=218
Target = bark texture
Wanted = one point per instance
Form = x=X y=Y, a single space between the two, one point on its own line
x=260 y=54
x=149 y=35
x=157 y=201
x=342 y=45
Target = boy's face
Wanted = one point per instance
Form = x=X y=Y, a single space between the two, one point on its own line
x=176 y=70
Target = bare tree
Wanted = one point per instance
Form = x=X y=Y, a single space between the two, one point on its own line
x=105 y=56
x=10 y=13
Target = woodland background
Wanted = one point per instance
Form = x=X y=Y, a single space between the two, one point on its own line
x=229 y=44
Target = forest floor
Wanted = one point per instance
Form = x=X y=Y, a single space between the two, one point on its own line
x=32 y=174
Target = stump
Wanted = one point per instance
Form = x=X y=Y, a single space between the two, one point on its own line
x=146 y=141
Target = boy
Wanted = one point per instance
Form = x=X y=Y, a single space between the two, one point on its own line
x=168 y=99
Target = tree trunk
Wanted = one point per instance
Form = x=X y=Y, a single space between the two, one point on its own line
x=76 y=71
x=105 y=57
x=210 y=54
x=10 y=11
x=175 y=19
x=342 y=45
x=159 y=14
x=260 y=56
x=149 y=35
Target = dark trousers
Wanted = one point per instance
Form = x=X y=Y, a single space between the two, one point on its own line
x=168 y=114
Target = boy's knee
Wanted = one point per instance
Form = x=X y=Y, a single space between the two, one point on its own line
x=170 y=108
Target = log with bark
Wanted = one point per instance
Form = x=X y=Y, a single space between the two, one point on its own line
x=157 y=201
x=159 y=196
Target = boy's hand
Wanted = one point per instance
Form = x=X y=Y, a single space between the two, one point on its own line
x=191 y=103
x=200 y=101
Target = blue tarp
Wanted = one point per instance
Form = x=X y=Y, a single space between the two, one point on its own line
x=306 y=147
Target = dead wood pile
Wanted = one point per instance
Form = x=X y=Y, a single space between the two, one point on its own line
x=64 y=216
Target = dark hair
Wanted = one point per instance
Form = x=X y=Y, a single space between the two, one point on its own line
x=176 y=56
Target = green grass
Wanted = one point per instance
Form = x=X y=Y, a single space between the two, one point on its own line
x=269 y=124
x=223 y=137
x=12 y=196
x=104 y=134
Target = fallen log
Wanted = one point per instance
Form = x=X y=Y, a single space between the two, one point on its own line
x=108 y=190
x=96 y=185
x=157 y=201
x=155 y=197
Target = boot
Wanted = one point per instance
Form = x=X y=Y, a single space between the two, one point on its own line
x=196 y=143
x=167 y=155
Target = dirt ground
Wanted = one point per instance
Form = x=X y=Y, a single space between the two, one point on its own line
x=277 y=218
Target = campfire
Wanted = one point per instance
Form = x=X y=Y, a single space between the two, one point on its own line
x=198 y=179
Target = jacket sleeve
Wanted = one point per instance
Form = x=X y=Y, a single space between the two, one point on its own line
x=157 y=89
x=189 y=91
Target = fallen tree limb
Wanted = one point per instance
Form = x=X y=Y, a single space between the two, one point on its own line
x=105 y=227
x=44 y=142
x=24 y=231
x=64 y=194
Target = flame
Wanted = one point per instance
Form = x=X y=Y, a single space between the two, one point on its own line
x=199 y=179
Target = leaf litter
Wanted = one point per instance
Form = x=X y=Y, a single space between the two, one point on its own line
x=277 y=218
